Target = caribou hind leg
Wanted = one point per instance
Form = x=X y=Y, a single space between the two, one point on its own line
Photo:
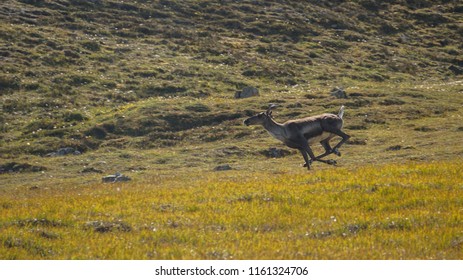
x=339 y=133
x=328 y=151
x=345 y=137
x=306 y=150
x=302 y=145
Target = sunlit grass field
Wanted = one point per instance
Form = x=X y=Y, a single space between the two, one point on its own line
x=393 y=211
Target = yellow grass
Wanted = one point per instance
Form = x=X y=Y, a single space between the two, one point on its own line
x=408 y=211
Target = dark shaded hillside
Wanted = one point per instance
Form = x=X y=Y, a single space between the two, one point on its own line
x=196 y=26
x=67 y=64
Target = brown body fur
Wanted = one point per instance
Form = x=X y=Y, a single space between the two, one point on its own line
x=299 y=133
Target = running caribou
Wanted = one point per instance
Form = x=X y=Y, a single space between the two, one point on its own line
x=299 y=133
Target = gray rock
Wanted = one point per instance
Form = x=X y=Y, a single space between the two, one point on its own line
x=16 y=167
x=118 y=177
x=247 y=92
x=90 y=170
x=63 y=152
x=456 y=69
x=338 y=92
x=275 y=153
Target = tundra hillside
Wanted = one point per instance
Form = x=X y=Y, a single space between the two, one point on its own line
x=149 y=89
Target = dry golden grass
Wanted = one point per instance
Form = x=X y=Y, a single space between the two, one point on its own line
x=408 y=211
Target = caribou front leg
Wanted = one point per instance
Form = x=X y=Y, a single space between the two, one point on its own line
x=307 y=161
x=301 y=144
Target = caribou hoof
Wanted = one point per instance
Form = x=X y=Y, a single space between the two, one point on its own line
x=307 y=164
x=332 y=162
x=336 y=152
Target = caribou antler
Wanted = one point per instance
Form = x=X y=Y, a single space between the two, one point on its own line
x=270 y=108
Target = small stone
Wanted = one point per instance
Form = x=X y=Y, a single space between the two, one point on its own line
x=223 y=167
x=122 y=178
x=90 y=170
x=109 y=179
x=394 y=148
x=63 y=152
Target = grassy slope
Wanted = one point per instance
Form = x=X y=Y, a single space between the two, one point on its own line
x=86 y=74
x=147 y=89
